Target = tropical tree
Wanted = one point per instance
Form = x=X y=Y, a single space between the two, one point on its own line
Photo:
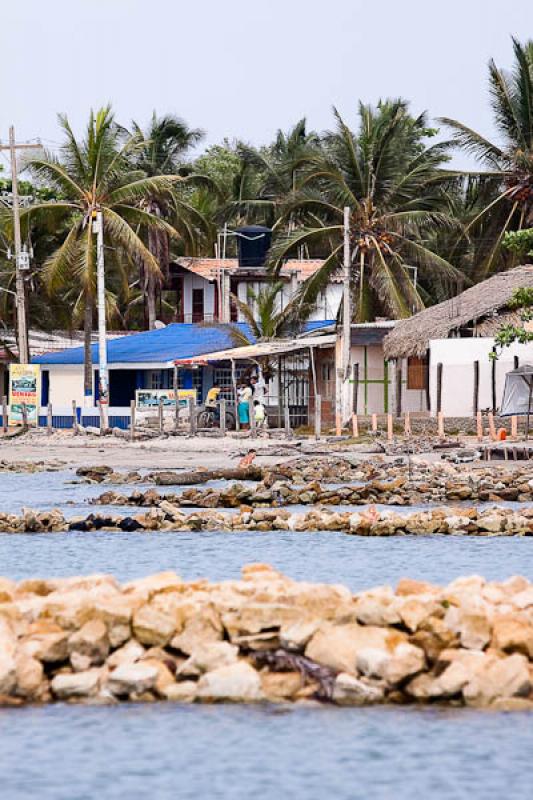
x=265 y=315
x=508 y=165
x=91 y=175
x=160 y=150
x=393 y=184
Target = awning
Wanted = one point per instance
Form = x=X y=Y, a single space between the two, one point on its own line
x=261 y=349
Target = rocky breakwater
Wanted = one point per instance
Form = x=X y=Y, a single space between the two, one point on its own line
x=266 y=637
x=370 y=522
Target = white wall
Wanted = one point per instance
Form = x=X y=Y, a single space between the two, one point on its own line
x=66 y=384
x=191 y=282
x=457 y=357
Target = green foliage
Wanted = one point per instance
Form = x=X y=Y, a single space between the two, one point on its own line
x=520 y=242
x=507 y=335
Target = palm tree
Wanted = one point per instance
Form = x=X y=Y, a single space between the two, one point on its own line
x=509 y=165
x=161 y=150
x=264 y=314
x=93 y=175
x=393 y=184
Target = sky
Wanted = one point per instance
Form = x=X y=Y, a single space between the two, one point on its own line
x=244 y=69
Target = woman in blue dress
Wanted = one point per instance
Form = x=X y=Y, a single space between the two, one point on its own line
x=243 y=408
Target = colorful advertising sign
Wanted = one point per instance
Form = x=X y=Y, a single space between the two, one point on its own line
x=148 y=399
x=24 y=387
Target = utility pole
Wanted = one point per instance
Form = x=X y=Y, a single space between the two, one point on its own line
x=22 y=261
x=346 y=306
x=98 y=228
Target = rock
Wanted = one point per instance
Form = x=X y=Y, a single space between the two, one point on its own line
x=8 y=673
x=296 y=636
x=405 y=661
x=378 y=607
x=29 y=676
x=183 y=692
x=153 y=626
x=91 y=641
x=498 y=678
x=46 y=642
x=279 y=686
x=209 y=656
x=129 y=653
x=164 y=675
x=337 y=646
x=513 y=636
x=475 y=631
x=77 y=684
x=350 y=691
x=130 y=679
x=79 y=662
x=237 y=683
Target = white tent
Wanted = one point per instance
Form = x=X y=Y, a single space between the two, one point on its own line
x=517 y=393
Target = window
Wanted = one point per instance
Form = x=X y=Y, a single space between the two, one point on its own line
x=222 y=378
x=197 y=305
x=417 y=372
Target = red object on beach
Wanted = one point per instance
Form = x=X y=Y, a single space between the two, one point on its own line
x=502 y=434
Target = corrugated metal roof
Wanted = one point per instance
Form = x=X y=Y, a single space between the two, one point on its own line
x=178 y=340
x=253 y=351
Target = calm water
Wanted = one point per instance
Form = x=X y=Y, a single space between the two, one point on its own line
x=227 y=753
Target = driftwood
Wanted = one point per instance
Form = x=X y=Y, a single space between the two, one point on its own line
x=202 y=476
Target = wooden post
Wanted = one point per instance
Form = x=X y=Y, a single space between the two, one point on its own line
x=4 y=413
x=479 y=424
x=439 y=388
x=176 y=399
x=24 y=417
x=514 y=427
x=160 y=416
x=74 y=419
x=398 y=383
x=251 y=414
x=515 y=362
x=222 y=416
x=280 y=395
x=49 y=418
x=493 y=381
x=389 y=427
x=475 y=401
x=235 y=395
x=355 y=388
x=192 y=415
x=132 y=420
x=355 y=426
x=374 y=423
x=288 y=433
x=318 y=416
x=440 y=424
x=407 y=424
x=492 y=426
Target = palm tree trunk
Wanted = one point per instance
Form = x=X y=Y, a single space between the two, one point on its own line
x=87 y=345
x=151 y=297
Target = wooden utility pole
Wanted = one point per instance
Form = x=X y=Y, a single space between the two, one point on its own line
x=346 y=305
x=22 y=262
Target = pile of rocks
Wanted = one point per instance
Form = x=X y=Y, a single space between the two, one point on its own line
x=397 y=489
x=265 y=638
x=31 y=466
x=494 y=521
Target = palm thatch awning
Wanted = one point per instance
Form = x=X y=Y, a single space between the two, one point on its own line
x=483 y=308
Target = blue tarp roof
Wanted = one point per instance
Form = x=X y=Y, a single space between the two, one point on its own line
x=178 y=340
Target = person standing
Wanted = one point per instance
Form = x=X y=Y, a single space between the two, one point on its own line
x=245 y=394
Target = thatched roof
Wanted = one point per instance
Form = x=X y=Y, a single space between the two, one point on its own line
x=479 y=307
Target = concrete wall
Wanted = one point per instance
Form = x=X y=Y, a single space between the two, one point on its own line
x=326 y=308
x=191 y=282
x=457 y=357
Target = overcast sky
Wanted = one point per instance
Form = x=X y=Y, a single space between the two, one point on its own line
x=243 y=68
